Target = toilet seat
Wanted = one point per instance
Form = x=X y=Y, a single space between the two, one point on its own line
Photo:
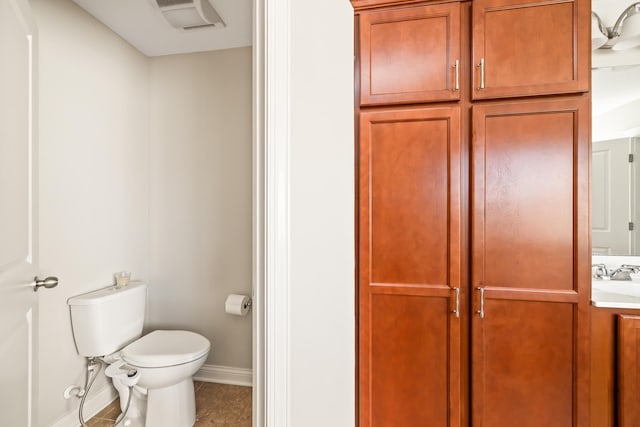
x=165 y=348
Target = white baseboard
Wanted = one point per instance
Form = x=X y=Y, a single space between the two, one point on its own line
x=224 y=375
x=94 y=404
x=208 y=373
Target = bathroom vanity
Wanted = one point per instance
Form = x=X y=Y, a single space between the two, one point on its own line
x=615 y=352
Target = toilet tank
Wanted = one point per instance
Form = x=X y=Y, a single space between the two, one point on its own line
x=106 y=320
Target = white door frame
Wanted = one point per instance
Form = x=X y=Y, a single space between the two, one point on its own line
x=271 y=169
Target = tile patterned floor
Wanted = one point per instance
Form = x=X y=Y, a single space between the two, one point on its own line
x=217 y=405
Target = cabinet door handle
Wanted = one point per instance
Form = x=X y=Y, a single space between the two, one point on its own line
x=481 y=66
x=456 y=67
x=456 y=310
x=481 y=311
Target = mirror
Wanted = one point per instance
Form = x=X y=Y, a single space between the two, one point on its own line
x=615 y=175
x=615 y=157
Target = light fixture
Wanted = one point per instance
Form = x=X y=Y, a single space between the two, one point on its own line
x=625 y=34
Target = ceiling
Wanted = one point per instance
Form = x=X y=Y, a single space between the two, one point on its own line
x=141 y=23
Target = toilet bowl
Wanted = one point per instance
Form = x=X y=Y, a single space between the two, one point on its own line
x=166 y=362
x=153 y=374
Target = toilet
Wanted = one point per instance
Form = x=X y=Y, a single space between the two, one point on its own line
x=152 y=372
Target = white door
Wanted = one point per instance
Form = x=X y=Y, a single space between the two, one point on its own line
x=611 y=198
x=634 y=174
x=18 y=215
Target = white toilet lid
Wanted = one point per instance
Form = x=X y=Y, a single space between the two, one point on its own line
x=165 y=348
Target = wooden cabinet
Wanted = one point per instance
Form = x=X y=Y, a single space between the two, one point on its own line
x=530 y=47
x=628 y=371
x=615 y=367
x=530 y=343
x=410 y=267
x=410 y=55
x=519 y=48
x=473 y=215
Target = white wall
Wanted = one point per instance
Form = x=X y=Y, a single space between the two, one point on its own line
x=93 y=178
x=200 y=221
x=322 y=378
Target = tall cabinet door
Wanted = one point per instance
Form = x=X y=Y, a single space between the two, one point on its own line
x=410 y=55
x=530 y=271
x=530 y=47
x=410 y=267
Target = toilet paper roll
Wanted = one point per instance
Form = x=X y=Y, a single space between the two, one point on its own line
x=237 y=304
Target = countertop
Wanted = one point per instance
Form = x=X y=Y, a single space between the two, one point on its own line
x=615 y=294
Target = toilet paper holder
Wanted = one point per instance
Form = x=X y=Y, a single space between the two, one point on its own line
x=238 y=305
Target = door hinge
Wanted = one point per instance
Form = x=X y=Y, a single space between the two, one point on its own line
x=630 y=158
x=631 y=226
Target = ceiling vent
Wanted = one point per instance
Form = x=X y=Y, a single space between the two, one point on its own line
x=190 y=14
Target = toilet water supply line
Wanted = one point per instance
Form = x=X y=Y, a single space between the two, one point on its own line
x=88 y=382
x=95 y=365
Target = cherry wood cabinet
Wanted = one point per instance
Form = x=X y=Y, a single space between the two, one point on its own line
x=410 y=55
x=615 y=367
x=603 y=366
x=530 y=263
x=473 y=244
x=629 y=371
x=410 y=267
x=530 y=47
x=519 y=48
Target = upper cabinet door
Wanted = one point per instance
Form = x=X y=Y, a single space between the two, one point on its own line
x=410 y=55
x=530 y=47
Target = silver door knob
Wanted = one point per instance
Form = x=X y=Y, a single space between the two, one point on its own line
x=47 y=283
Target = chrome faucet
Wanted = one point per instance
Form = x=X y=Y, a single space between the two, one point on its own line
x=624 y=272
x=601 y=271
